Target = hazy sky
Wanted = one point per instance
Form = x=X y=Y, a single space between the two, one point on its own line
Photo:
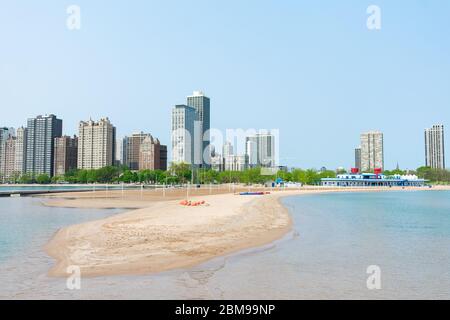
x=310 y=68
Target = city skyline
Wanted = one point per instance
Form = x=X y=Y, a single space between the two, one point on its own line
x=351 y=163
x=290 y=66
x=371 y=150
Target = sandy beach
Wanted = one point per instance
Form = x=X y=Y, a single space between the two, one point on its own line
x=158 y=234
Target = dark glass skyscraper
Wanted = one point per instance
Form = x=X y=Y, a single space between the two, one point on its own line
x=201 y=103
x=42 y=132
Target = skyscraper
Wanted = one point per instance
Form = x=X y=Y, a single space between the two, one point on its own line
x=119 y=152
x=163 y=157
x=434 y=147
x=227 y=149
x=41 y=135
x=251 y=150
x=201 y=104
x=96 y=144
x=183 y=122
x=21 y=151
x=152 y=155
x=260 y=150
x=358 y=158
x=5 y=133
x=372 y=151
x=131 y=148
x=66 y=155
x=7 y=157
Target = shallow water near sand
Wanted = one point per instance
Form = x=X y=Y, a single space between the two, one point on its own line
x=335 y=237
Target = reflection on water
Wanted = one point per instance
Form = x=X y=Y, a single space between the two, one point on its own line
x=335 y=238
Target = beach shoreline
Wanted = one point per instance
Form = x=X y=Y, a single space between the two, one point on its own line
x=159 y=234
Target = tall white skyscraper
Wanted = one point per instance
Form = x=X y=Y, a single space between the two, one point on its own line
x=372 y=151
x=183 y=138
x=434 y=147
x=96 y=144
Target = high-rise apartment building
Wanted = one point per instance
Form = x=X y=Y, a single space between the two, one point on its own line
x=260 y=150
x=21 y=151
x=41 y=134
x=66 y=155
x=434 y=147
x=96 y=144
x=7 y=157
x=358 y=158
x=131 y=149
x=183 y=122
x=163 y=157
x=119 y=152
x=372 y=151
x=5 y=133
x=152 y=155
x=201 y=104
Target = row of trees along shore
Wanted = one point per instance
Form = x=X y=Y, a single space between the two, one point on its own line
x=182 y=173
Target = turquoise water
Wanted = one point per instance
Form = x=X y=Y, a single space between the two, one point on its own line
x=24 y=221
x=335 y=237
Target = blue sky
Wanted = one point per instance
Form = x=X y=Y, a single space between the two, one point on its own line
x=310 y=68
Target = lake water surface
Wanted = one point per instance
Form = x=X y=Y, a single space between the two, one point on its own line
x=335 y=238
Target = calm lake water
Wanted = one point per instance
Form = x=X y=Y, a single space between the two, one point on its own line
x=334 y=239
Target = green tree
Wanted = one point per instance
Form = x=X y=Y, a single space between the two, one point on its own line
x=43 y=179
x=394 y=172
x=129 y=177
x=286 y=176
x=208 y=176
x=182 y=171
x=327 y=174
x=25 y=179
x=437 y=176
x=107 y=174
x=15 y=177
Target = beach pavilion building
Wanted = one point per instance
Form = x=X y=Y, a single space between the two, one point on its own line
x=373 y=180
